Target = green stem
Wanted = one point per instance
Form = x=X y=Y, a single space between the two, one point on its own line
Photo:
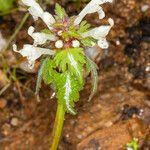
x=58 y=125
x=16 y=31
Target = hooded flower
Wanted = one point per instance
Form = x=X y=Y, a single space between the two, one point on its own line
x=92 y=7
x=40 y=38
x=100 y=33
x=67 y=35
x=37 y=12
x=32 y=53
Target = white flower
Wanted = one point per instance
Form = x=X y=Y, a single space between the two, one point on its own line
x=40 y=38
x=75 y=43
x=37 y=12
x=100 y=33
x=92 y=7
x=59 y=44
x=33 y=53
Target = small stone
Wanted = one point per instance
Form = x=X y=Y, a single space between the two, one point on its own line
x=14 y=121
x=6 y=129
x=3 y=79
x=3 y=103
x=144 y=8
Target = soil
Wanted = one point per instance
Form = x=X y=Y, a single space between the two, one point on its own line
x=119 y=111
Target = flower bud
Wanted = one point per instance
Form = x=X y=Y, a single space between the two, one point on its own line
x=75 y=43
x=59 y=44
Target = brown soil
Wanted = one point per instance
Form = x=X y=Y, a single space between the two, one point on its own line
x=119 y=111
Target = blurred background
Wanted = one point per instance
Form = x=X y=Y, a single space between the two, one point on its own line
x=119 y=111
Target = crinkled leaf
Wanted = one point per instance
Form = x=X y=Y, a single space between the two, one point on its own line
x=48 y=72
x=72 y=59
x=84 y=27
x=46 y=31
x=39 y=78
x=59 y=11
x=67 y=91
x=88 y=41
x=92 y=67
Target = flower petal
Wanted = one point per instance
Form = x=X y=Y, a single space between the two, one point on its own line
x=36 y=11
x=32 y=53
x=99 y=32
x=102 y=43
x=92 y=7
x=40 y=38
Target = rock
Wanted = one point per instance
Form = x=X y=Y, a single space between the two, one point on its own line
x=14 y=121
x=3 y=79
x=3 y=103
x=6 y=129
x=114 y=137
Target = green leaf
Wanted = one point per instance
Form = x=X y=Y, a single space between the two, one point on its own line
x=46 y=31
x=39 y=78
x=133 y=144
x=67 y=91
x=84 y=27
x=72 y=59
x=59 y=11
x=5 y=5
x=88 y=41
x=70 y=34
x=48 y=72
x=92 y=67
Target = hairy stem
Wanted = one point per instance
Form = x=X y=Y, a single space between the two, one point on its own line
x=58 y=125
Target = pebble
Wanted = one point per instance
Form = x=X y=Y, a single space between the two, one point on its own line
x=14 y=121
x=3 y=103
x=6 y=129
x=144 y=8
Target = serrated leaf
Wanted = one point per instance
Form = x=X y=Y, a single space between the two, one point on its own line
x=59 y=11
x=84 y=27
x=70 y=34
x=72 y=59
x=88 y=41
x=48 y=72
x=39 y=78
x=46 y=31
x=92 y=67
x=67 y=91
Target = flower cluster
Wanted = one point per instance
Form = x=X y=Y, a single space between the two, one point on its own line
x=63 y=32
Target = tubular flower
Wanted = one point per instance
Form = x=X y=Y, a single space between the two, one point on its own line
x=37 y=12
x=40 y=38
x=92 y=7
x=32 y=53
x=99 y=33
x=64 y=32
